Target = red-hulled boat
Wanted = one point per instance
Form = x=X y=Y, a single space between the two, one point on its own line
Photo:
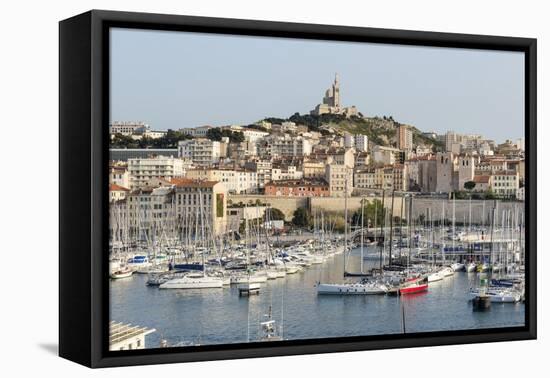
x=414 y=285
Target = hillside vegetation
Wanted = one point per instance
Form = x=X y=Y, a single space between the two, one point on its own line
x=380 y=130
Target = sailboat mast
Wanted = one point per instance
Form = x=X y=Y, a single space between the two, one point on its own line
x=391 y=224
x=345 y=221
x=410 y=231
x=362 y=226
x=384 y=217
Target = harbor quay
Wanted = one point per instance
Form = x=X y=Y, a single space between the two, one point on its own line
x=479 y=211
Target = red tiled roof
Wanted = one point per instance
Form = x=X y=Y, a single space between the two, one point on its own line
x=117 y=188
x=481 y=179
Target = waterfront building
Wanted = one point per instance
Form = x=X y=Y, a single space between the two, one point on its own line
x=188 y=201
x=200 y=151
x=143 y=170
x=298 y=188
x=127 y=337
x=404 y=138
x=262 y=169
x=339 y=178
x=149 y=211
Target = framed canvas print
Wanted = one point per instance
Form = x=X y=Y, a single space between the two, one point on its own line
x=234 y=188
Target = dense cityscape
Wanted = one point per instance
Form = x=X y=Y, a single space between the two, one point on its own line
x=352 y=203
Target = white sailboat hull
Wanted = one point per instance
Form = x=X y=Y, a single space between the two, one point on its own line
x=505 y=296
x=434 y=277
x=248 y=279
x=351 y=289
x=193 y=283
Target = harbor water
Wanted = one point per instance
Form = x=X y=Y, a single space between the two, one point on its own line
x=221 y=316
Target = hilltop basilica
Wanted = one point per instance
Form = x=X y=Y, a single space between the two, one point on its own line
x=332 y=104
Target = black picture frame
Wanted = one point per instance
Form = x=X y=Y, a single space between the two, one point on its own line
x=83 y=183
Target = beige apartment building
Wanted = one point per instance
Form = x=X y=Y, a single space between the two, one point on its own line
x=339 y=179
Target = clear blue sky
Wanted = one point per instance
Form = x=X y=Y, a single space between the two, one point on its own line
x=173 y=80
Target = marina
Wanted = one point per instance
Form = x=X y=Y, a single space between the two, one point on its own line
x=220 y=315
x=418 y=275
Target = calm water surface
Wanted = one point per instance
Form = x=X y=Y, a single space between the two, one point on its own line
x=220 y=316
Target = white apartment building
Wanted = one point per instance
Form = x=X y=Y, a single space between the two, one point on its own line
x=128 y=128
x=236 y=181
x=284 y=146
x=200 y=151
x=142 y=171
x=361 y=143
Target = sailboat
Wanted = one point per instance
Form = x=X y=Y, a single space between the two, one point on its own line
x=122 y=273
x=358 y=288
x=413 y=286
x=195 y=280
